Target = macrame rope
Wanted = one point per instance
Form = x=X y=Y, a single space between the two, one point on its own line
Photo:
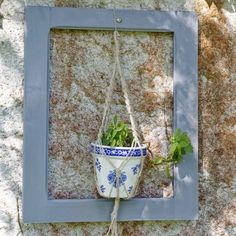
x=113 y=228
x=125 y=90
x=124 y=86
x=107 y=104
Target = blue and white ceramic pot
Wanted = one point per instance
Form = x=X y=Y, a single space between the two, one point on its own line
x=107 y=159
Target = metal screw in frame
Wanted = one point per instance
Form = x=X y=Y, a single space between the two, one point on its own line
x=118 y=20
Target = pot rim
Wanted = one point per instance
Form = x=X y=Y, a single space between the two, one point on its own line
x=143 y=146
x=119 y=152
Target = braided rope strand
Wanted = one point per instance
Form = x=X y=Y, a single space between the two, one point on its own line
x=113 y=228
x=125 y=91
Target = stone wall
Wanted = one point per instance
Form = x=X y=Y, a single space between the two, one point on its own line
x=80 y=66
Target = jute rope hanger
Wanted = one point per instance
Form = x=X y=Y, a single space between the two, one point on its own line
x=113 y=229
x=125 y=90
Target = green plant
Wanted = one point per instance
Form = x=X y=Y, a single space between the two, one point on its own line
x=180 y=145
x=118 y=134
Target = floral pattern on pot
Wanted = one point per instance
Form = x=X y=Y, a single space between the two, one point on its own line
x=102 y=188
x=130 y=189
x=112 y=178
x=105 y=168
x=136 y=169
x=98 y=165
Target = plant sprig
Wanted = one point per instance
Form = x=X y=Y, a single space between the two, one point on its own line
x=180 y=145
x=118 y=134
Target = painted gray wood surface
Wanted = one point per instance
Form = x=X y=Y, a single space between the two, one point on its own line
x=36 y=206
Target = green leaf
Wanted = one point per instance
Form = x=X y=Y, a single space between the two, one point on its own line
x=189 y=148
x=167 y=172
x=119 y=128
x=180 y=145
x=113 y=143
x=183 y=143
x=114 y=132
x=175 y=157
x=183 y=151
x=117 y=134
x=173 y=148
x=177 y=134
x=158 y=160
x=185 y=138
x=115 y=119
x=121 y=125
x=120 y=141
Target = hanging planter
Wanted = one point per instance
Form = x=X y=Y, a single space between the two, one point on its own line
x=108 y=160
x=118 y=161
x=118 y=152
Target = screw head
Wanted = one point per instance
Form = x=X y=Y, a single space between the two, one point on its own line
x=118 y=20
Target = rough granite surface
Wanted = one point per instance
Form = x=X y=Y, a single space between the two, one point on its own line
x=80 y=76
x=80 y=69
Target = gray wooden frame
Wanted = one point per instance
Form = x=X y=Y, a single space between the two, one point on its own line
x=36 y=206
